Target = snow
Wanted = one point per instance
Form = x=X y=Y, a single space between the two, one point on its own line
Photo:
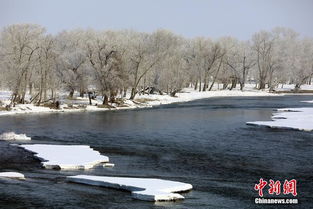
x=67 y=156
x=78 y=104
x=141 y=188
x=189 y=94
x=110 y=165
x=141 y=101
x=14 y=175
x=291 y=87
x=289 y=118
x=10 y=136
x=27 y=108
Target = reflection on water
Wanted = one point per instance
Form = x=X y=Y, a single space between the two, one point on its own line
x=205 y=143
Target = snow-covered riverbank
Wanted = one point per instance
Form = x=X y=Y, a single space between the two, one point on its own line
x=141 y=101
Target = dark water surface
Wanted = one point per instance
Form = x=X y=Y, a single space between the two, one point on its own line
x=205 y=143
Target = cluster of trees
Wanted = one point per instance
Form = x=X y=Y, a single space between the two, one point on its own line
x=114 y=62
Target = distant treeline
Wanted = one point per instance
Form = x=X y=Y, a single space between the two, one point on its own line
x=112 y=62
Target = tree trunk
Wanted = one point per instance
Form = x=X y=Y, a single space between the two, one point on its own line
x=125 y=91
x=215 y=76
x=71 y=95
x=262 y=85
x=112 y=96
x=30 y=88
x=205 y=81
x=242 y=84
x=233 y=83
x=132 y=94
x=105 y=100
x=52 y=94
x=45 y=86
x=196 y=85
x=89 y=97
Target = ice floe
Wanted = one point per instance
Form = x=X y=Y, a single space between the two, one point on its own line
x=308 y=101
x=67 y=156
x=109 y=165
x=289 y=118
x=141 y=188
x=11 y=136
x=14 y=175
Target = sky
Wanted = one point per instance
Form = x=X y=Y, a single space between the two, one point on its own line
x=190 y=18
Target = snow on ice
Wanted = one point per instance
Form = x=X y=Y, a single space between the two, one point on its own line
x=141 y=188
x=289 y=118
x=67 y=156
x=10 y=136
x=13 y=175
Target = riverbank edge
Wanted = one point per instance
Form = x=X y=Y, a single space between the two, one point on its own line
x=151 y=101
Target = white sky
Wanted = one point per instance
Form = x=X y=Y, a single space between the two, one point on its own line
x=190 y=18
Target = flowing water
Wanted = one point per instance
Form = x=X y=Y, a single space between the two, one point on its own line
x=204 y=142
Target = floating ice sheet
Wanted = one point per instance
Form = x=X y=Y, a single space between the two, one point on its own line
x=141 y=188
x=67 y=156
x=14 y=175
x=289 y=118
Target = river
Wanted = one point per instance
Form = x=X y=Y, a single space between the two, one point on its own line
x=205 y=143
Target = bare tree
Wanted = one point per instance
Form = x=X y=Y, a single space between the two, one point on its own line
x=263 y=44
x=145 y=51
x=239 y=58
x=45 y=73
x=105 y=59
x=19 y=44
x=72 y=58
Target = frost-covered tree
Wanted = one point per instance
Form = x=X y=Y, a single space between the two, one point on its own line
x=43 y=75
x=145 y=51
x=71 y=61
x=19 y=44
x=173 y=67
x=104 y=57
x=112 y=62
x=195 y=56
x=201 y=57
x=263 y=46
x=214 y=53
x=293 y=58
x=302 y=64
x=239 y=59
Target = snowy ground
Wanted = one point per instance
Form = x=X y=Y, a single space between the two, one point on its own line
x=141 y=188
x=290 y=87
x=67 y=156
x=141 y=101
x=289 y=118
